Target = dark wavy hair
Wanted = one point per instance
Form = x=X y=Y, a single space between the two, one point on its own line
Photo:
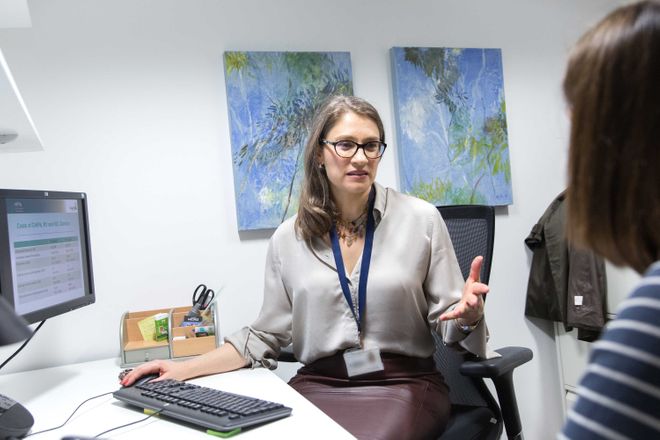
x=317 y=209
x=612 y=86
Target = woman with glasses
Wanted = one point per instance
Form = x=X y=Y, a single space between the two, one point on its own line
x=357 y=281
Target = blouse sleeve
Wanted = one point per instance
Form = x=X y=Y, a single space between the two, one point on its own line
x=444 y=286
x=260 y=343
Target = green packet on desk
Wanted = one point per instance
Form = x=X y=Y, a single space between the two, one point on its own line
x=154 y=328
x=160 y=323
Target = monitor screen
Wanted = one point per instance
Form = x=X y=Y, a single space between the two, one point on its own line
x=45 y=258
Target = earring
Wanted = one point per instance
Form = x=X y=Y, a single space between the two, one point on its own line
x=321 y=166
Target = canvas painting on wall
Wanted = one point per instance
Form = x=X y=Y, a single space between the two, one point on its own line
x=451 y=125
x=272 y=97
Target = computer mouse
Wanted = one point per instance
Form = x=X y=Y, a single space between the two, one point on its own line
x=146 y=378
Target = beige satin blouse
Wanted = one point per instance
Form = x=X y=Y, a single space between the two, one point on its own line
x=413 y=278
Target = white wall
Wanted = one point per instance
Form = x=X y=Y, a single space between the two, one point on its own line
x=129 y=99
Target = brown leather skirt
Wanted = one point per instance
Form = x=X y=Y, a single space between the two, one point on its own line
x=407 y=400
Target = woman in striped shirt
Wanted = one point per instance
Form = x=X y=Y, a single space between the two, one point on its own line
x=612 y=86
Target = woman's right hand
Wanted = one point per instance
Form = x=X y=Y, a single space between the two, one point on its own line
x=223 y=358
x=164 y=368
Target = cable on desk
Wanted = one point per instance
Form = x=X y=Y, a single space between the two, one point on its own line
x=133 y=423
x=24 y=344
x=67 y=420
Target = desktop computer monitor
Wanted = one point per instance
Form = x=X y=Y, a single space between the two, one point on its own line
x=45 y=257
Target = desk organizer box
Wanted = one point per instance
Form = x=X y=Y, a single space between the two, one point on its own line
x=135 y=350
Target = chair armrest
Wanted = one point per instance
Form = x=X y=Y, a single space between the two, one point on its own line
x=512 y=357
x=500 y=370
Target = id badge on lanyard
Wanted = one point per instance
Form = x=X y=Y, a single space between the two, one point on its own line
x=360 y=360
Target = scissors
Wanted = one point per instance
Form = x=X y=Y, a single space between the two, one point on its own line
x=202 y=297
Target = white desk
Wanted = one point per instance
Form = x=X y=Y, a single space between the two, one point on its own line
x=52 y=394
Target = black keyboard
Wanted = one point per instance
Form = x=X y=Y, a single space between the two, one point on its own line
x=202 y=406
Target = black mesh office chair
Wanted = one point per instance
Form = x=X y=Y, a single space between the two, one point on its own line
x=475 y=414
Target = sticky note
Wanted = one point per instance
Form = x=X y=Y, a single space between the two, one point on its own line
x=147 y=328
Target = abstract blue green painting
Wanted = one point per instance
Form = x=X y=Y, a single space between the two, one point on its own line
x=450 y=114
x=272 y=97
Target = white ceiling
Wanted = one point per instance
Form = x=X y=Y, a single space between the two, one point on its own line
x=14 y=116
x=14 y=14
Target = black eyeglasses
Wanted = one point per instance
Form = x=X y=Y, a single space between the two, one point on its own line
x=348 y=149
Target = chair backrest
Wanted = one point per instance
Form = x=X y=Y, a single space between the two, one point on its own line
x=472 y=232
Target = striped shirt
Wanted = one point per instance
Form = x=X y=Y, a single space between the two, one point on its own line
x=619 y=395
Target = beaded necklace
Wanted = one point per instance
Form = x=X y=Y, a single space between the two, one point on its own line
x=351 y=230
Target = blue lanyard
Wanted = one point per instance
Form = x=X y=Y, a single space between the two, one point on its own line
x=364 y=268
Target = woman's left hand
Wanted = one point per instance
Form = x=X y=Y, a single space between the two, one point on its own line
x=470 y=309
